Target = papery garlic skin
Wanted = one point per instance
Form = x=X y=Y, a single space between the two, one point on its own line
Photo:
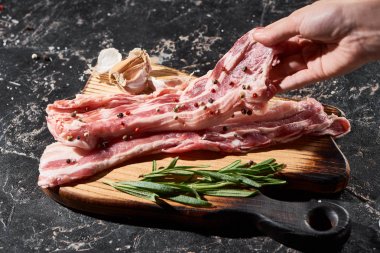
x=132 y=74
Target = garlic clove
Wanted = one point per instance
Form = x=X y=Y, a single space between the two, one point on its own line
x=132 y=74
x=107 y=59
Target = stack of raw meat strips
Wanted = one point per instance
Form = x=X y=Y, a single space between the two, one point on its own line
x=227 y=110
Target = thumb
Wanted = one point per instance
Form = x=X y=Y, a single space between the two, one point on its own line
x=277 y=32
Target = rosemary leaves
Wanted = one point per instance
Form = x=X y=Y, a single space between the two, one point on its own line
x=188 y=184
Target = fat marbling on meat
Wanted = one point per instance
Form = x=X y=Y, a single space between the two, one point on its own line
x=238 y=81
x=284 y=121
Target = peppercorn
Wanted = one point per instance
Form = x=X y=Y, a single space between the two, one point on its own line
x=243 y=111
x=210 y=100
x=225 y=128
x=78 y=137
x=215 y=81
x=68 y=161
x=176 y=108
x=250 y=163
x=245 y=68
x=70 y=138
x=104 y=144
x=249 y=112
x=196 y=105
x=74 y=114
x=120 y=115
x=125 y=137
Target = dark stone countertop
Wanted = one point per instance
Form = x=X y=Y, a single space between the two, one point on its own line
x=188 y=35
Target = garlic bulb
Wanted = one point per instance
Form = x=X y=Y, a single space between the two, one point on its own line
x=132 y=74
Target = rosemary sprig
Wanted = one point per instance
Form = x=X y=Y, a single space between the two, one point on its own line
x=184 y=184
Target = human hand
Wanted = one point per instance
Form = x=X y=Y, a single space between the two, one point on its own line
x=323 y=40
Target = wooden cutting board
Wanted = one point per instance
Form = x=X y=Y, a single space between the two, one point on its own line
x=314 y=164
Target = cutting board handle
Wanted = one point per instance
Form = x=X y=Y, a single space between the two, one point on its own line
x=307 y=226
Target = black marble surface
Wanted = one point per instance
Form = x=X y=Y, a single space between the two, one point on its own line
x=188 y=35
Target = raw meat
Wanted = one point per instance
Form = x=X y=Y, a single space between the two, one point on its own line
x=238 y=81
x=284 y=121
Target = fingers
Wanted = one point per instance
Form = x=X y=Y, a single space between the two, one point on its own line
x=287 y=67
x=291 y=58
x=298 y=80
x=289 y=47
x=300 y=68
x=278 y=32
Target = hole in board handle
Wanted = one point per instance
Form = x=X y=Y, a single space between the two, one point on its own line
x=322 y=218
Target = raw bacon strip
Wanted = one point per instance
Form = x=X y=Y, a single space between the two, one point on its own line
x=84 y=103
x=238 y=81
x=61 y=164
x=101 y=105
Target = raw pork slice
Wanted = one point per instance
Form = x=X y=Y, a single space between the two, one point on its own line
x=238 y=81
x=284 y=121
